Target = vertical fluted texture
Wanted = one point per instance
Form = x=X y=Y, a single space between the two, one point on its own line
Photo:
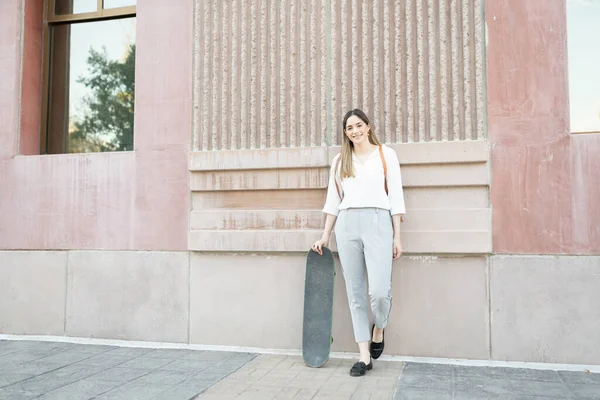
x=314 y=75
x=293 y=93
x=400 y=77
x=235 y=75
x=203 y=121
x=377 y=63
x=216 y=66
x=225 y=76
x=467 y=40
x=479 y=73
x=273 y=101
x=254 y=94
x=334 y=35
x=283 y=73
x=355 y=56
x=264 y=62
x=445 y=67
x=388 y=71
x=368 y=60
x=197 y=79
x=409 y=23
x=324 y=68
x=433 y=52
x=456 y=49
x=344 y=53
x=245 y=88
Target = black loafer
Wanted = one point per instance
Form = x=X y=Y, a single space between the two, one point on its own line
x=360 y=368
x=376 y=349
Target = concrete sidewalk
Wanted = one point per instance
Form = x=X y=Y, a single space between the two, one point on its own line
x=67 y=371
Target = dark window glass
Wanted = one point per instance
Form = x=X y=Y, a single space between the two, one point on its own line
x=62 y=7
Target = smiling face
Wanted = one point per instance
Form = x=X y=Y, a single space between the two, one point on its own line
x=357 y=130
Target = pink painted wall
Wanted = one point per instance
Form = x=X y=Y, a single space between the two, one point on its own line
x=10 y=53
x=544 y=179
x=31 y=102
x=123 y=201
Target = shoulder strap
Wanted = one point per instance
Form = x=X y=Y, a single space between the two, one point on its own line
x=335 y=175
x=384 y=168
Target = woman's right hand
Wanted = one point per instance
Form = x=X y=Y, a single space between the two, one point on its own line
x=318 y=245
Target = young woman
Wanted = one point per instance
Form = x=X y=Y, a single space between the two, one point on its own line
x=365 y=196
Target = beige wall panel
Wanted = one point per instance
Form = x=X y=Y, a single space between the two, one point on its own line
x=300 y=199
x=424 y=220
x=440 y=308
x=259 y=159
x=260 y=179
x=312 y=178
x=257 y=219
x=445 y=175
x=439 y=305
x=545 y=308
x=278 y=158
x=128 y=295
x=451 y=198
x=296 y=240
x=32 y=292
x=245 y=300
x=476 y=219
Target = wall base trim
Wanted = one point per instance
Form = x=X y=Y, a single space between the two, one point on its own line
x=293 y=352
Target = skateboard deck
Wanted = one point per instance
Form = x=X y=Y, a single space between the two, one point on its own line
x=318 y=308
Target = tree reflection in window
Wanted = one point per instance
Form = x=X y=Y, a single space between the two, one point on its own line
x=107 y=123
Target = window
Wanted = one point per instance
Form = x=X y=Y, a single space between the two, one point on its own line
x=583 y=31
x=89 y=76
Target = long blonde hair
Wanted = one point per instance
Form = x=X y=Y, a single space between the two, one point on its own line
x=347 y=169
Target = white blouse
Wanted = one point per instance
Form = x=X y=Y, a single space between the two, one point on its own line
x=366 y=188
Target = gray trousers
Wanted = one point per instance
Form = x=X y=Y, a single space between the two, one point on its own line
x=364 y=238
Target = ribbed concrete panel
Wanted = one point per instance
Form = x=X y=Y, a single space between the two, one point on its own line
x=274 y=74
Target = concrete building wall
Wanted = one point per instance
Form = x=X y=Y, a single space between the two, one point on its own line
x=177 y=242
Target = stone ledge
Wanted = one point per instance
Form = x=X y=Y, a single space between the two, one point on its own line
x=465 y=151
x=442 y=175
x=477 y=219
x=414 y=242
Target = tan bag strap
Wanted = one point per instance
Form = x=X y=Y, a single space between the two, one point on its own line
x=384 y=168
x=335 y=172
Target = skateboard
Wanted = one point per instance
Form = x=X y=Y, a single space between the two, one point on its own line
x=318 y=308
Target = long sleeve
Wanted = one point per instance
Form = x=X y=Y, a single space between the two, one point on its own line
x=332 y=201
x=394 y=181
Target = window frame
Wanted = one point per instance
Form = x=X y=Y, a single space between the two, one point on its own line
x=50 y=20
x=568 y=59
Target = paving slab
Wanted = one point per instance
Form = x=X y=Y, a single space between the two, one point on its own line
x=49 y=371
x=435 y=381
x=288 y=377
x=65 y=371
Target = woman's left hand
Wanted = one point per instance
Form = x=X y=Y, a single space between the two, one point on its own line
x=397 y=248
